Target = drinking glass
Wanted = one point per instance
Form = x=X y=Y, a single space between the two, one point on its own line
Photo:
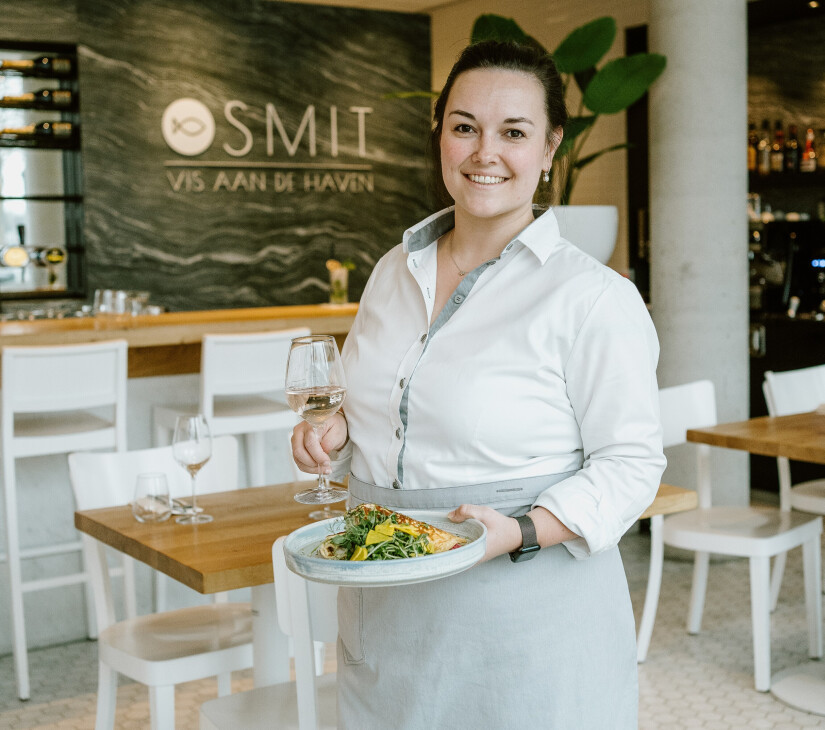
x=192 y=448
x=315 y=390
x=151 y=502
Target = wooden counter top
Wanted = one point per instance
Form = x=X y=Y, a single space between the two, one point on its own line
x=169 y=344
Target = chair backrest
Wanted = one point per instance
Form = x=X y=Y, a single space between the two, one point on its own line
x=244 y=364
x=307 y=612
x=65 y=377
x=108 y=479
x=788 y=392
x=794 y=391
x=681 y=407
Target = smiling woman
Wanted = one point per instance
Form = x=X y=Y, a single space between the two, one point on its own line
x=497 y=373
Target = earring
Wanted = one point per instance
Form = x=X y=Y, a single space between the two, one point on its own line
x=546 y=176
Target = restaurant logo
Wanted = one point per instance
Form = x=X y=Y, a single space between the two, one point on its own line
x=188 y=127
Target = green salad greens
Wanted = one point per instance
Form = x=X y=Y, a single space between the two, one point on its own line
x=370 y=535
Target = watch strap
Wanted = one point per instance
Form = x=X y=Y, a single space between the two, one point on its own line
x=529 y=540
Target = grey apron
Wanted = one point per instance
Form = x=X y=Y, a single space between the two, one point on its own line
x=546 y=643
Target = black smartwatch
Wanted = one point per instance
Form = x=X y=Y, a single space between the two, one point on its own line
x=529 y=542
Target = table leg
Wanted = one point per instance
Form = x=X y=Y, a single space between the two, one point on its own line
x=270 y=646
x=802 y=687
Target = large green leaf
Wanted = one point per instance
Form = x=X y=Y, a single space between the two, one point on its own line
x=582 y=161
x=491 y=27
x=622 y=81
x=585 y=46
x=574 y=127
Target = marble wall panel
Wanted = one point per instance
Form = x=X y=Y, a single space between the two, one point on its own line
x=307 y=155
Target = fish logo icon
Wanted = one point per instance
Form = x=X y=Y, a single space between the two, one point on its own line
x=188 y=127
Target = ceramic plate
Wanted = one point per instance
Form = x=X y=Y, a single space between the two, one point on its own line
x=299 y=546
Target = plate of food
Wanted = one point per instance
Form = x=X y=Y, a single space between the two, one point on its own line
x=372 y=546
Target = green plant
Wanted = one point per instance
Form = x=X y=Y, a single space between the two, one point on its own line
x=608 y=90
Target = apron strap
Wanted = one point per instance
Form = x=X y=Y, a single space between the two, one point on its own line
x=510 y=496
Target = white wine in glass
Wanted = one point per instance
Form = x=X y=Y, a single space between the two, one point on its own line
x=315 y=390
x=192 y=448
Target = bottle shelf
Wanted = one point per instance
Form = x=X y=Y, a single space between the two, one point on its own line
x=71 y=143
x=39 y=106
x=45 y=198
x=786 y=180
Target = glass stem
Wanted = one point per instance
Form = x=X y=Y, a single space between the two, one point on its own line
x=194 y=504
x=323 y=479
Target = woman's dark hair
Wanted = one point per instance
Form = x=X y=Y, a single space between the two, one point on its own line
x=508 y=57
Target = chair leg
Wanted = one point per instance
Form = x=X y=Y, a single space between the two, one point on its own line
x=19 y=646
x=161 y=591
x=761 y=619
x=812 y=568
x=654 y=584
x=255 y=446
x=106 y=697
x=162 y=707
x=129 y=587
x=776 y=578
x=161 y=436
x=224 y=684
x=697 y=592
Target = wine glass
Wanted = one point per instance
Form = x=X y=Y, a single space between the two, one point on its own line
x=192 y=448
x=315 y=390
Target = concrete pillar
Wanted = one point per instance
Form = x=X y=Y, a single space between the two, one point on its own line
x=699 y=234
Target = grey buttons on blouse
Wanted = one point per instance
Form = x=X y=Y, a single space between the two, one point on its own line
x=402 y=383
x=398 y=433
x=396 y=484
x=458 y=298
x=424 y=337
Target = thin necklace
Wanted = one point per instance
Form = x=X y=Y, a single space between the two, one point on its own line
x=450 y=252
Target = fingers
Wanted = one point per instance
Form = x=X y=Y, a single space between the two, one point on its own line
x=307 y=450
x=465 y=512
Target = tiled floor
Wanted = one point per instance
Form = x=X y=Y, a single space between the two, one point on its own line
x=703 y=681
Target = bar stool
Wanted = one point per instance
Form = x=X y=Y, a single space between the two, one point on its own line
x=241 y=393
x=55 y=400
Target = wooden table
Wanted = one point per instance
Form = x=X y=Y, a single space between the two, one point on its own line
x=233 y=551
x=802 y=437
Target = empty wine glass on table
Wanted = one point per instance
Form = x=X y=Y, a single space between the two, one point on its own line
x=315 y=390
x=192 y=448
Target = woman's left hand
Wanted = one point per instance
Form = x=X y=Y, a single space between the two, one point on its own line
x=503 y=533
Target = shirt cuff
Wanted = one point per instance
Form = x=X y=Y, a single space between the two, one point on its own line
x=340 y=462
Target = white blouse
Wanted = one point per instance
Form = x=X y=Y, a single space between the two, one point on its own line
x=543 y=361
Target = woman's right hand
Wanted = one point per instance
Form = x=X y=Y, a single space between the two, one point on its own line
x=309 y=452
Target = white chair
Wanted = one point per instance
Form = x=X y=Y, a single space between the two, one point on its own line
x=794 y=391
x=307 y=612
x=241 y=393
x=55 y=400
x=755 y=533
x=159 y=650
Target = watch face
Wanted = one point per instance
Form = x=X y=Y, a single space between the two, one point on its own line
x=524 y=553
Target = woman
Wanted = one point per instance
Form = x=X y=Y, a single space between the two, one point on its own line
x=495 y=370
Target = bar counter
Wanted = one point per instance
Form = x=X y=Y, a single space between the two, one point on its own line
x=170 y=343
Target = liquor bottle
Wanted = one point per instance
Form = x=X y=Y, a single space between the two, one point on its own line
x=763 y=149
x=792 y=150
x=820 y=160
x=40 y=99
x=41 y=130
x=40 y=66
x=807 y=161
x=753 y=141
x=48 y=256
x=778 y=148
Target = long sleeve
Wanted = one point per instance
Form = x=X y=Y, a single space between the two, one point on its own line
x=611 y=383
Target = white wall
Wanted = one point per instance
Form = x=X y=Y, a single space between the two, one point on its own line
x=549 y=21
